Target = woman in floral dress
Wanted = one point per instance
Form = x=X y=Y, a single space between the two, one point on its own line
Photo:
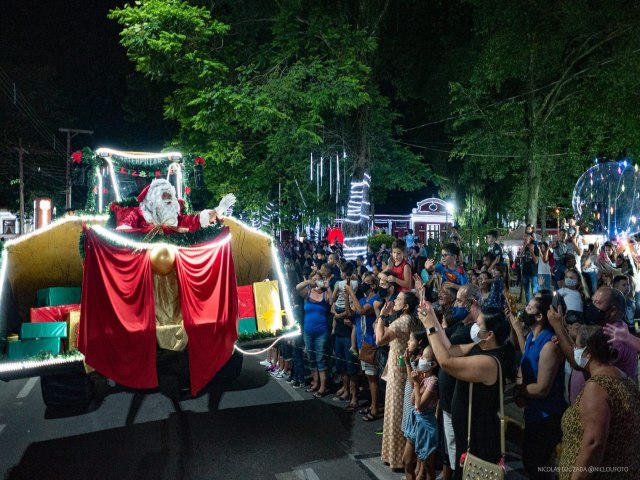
x=397 y=336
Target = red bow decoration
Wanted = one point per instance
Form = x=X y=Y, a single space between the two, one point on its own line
x=77 y=157
x=158 y=173
x=123 y=170
x=199 y=161
x=105 y=190
x=187 y=190
x=134 y=174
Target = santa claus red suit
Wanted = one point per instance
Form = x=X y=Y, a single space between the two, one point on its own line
x=159 y=207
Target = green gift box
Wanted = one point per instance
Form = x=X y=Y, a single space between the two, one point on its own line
x=23 y=349
x=52 y=297
x=247 y=325
x=43 y=330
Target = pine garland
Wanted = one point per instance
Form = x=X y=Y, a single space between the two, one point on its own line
x=248 y=337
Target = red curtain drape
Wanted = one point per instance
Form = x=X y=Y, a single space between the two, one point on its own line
x=209 y=304
x=118 y=315
x=117 y=336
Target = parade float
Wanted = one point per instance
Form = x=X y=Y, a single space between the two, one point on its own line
x=135 y=282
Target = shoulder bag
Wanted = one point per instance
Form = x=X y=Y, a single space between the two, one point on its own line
x=475 y=468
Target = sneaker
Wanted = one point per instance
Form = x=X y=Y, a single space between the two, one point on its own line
x=290 y=380
x=273 y=369
x=265 y=363
x=297 y=384
x=281 y=375
x=275 y=372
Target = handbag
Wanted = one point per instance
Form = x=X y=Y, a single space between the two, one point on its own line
x=368 y=353
x=475 y=468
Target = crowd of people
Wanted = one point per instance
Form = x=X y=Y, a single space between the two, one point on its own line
x=401 y=335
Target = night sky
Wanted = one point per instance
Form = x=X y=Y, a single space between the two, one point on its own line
x=65 y=57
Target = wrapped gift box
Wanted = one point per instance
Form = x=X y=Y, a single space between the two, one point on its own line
x=246 y=305
x=247 y=325
x=267 y=304
x=23 y=349
x=51 y=297
x=43 y=330
x=73 y=323
x=52 y=314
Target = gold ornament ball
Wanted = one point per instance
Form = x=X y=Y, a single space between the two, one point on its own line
x=163 y=260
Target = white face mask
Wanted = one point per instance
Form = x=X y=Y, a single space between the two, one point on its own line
x=475 y=333
x=580 y=360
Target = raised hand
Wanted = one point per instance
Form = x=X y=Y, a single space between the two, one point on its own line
x=225 y=204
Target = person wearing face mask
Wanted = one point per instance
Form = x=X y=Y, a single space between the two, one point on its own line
x=608 y=307
x=623 y=284
x=602 y=428
x=466 y=310
x=540 y=390
x=572 y=297
x=490 y=334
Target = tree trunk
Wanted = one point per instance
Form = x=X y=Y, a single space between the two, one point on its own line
x=533 y=192
x=356 y=224
x=543 y=221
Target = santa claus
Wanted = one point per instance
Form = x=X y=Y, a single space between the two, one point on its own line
x=159 y=206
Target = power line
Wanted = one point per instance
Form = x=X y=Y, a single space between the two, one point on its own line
x=480 y=154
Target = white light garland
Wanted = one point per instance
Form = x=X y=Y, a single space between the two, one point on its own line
x=16 y=366
x=293 y=334
x=108 y=152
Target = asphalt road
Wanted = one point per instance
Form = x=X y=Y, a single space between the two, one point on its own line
x=258 y=428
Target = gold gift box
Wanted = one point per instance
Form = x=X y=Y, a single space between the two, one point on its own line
x=73 y=321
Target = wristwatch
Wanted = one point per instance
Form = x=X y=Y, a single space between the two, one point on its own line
x=432 y=330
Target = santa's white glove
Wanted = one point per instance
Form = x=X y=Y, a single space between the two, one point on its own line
x=225 y=204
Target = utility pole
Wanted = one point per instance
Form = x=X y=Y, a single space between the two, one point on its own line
x=21 y=152
x=69 y=132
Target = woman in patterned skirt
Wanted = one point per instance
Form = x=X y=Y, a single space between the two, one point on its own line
x=397 y=336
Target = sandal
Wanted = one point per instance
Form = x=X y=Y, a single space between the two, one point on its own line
x=364 y=411
x=369 y=417
x=320 y=394
x=311 y=390
x=338 y=398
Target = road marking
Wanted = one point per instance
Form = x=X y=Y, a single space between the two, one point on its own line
x=2 y=428
x=293 y=393
x=27 y=387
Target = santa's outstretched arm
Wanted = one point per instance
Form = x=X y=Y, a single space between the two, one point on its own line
x=208 y=217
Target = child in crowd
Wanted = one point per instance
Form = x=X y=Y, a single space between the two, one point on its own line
x=417 y=344
x=399 y=271
x=424 y=435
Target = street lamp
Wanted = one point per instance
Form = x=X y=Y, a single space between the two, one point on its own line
x=449 y=210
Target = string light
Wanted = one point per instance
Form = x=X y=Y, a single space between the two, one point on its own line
x=109 y=152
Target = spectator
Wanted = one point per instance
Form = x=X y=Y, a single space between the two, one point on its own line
x=490 y=333
x=364 y=320
x=342 y=328
x=410 y=238
x=397 y=336
x=424 y=433
x=316 y=331
x=560 y=249
x=400 y=271
x=484 y=282
x=540 y=390
x=448 y=268
x=572 y=296
x=529 y=264
x=608 y=307
x=466 y=309
x=495 y=250
x=544 y=270
x=602 y=428
x=622 y=283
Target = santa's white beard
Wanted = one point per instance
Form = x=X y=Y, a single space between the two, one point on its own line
x=166 y=213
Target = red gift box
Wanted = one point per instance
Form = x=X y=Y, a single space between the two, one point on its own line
x=246 y=305
x=52 y=314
